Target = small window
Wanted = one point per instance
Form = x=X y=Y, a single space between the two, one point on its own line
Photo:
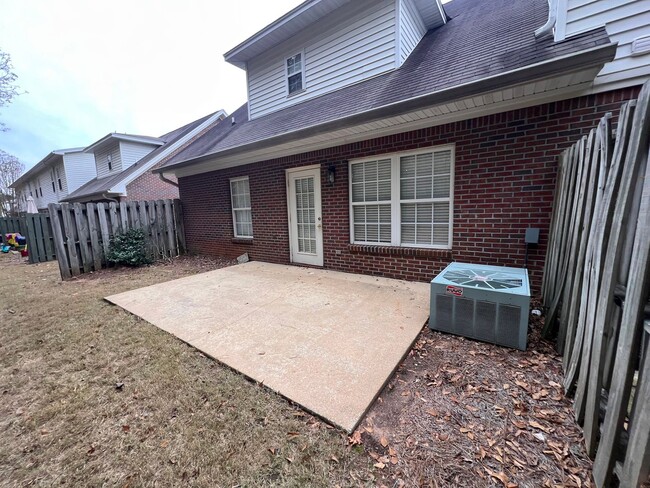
x=60 y=185
x=295 y=73
x=53 y=188
x=242 y=218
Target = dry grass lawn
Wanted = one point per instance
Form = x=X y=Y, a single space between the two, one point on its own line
x=93 y=396
x=179 y=418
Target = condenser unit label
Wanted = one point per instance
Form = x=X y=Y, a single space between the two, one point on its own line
x=454 y=290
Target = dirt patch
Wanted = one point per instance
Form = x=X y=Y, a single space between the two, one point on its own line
x=464 y=413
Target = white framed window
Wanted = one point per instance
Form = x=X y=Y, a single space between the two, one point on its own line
x=242 y=218
x=295 y=71
x=403 y=199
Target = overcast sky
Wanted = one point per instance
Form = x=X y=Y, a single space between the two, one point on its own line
x=144 y=67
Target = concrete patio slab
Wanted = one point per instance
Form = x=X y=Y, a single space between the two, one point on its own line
x=326 y=340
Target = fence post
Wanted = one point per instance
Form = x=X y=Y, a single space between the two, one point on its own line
x=59 y=244
x=180 y=226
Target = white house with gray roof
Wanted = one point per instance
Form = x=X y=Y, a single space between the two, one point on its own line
x=58 y=174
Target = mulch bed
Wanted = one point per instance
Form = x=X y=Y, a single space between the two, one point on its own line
x=463 y=413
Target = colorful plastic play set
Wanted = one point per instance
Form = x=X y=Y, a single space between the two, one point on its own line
x=14 y=242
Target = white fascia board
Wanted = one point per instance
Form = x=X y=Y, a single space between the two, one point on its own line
x=154 y=141
x=120 y=186
x=286 y=18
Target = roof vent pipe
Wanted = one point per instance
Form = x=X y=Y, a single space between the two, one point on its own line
x=547 y=29
x=233 y=121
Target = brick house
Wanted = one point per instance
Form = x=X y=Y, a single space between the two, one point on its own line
x=123 y=163
x=391 y=137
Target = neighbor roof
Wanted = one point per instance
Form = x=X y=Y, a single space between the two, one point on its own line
x=484 y=46
x=156 y=141
x=52 y=158
x=98 y=186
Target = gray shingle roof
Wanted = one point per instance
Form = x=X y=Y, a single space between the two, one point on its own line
x=483 y=38
x=103 y=185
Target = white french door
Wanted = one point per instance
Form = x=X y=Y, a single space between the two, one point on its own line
x=305 y=218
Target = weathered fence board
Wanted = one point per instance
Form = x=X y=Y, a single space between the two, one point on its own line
x=82 y=233
x=604 y=298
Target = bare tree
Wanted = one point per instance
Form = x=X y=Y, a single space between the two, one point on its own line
x=10 y=169
x=8 y=88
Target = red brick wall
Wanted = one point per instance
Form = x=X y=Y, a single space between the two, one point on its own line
x=149 y=186
x=505 y=172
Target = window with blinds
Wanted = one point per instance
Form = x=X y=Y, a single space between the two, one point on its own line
x=404 y=199
x=242 y=218
x=371 y=201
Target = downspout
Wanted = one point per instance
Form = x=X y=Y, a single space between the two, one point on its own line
x=547 y=29
x=110 y=199
x=166 y=180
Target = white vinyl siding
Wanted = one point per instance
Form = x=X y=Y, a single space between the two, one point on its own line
x=78 y=169
x=242 y=218
x=351 y=44
x=132 y=152
x=101 y=159
x=403 y=199
x=624 y=20
x=411 y=29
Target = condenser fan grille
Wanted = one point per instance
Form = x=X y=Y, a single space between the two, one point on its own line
x=482 y=278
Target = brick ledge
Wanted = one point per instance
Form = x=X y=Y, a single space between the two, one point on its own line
x=236 y=240
x=400 y=251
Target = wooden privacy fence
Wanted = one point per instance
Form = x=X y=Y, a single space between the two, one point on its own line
x=83 y=232
x=596 y=290
x=36 y=228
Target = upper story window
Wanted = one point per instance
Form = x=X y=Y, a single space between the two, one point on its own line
x=295 y=73
x=109 y=159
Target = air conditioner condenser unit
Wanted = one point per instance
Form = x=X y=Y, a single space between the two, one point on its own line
x=487 y=303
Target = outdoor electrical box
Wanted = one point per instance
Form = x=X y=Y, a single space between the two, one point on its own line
x=487 y=303
x=532 y=236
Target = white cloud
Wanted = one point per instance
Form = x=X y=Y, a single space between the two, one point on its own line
x=141 y=67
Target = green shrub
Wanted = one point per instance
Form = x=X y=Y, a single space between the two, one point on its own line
x=129 y=249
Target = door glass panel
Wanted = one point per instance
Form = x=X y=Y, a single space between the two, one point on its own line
x=306 y=215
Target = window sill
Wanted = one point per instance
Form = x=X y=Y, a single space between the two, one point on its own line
x=400 y=251
x=242 y=240
x=296 y=93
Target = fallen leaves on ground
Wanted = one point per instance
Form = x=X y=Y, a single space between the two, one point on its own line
x=477 y=415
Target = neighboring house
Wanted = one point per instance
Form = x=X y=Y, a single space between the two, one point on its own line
x=124 y=163
x=391 y=137
x=51 y=180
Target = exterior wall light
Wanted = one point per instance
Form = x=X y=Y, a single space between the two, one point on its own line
x=331 y=174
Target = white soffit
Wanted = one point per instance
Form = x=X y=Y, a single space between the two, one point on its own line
x=520 y=96
x=432 y=12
